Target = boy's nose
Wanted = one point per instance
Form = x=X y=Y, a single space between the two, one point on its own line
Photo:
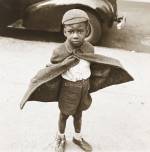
x=75 y=35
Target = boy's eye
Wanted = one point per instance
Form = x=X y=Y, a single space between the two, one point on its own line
x=80 y=31
x=71 y=32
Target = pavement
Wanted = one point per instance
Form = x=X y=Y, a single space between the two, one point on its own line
x=136 y=33
x=118 y=120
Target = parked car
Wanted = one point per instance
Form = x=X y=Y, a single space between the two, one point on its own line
x=46 y=15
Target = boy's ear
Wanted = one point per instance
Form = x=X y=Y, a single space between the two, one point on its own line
x=88 y=29
x=64 y=32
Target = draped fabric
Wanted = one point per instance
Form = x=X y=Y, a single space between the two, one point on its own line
x=105 y=71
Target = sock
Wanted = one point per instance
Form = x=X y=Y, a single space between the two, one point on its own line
x=77 y=136
x=61 y=135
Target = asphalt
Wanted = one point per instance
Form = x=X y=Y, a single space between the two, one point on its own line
x=118 y=120
x=136 y=33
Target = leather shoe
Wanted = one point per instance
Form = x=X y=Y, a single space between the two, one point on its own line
x=60 y=144
x=83 y=144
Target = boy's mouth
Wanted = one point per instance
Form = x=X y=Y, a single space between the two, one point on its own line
x=76 y=41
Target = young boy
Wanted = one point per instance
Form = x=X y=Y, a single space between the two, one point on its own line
x=74 y=97
x=75 y=72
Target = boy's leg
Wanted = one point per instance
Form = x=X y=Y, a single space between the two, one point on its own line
x=77 y=121
x=77 y=139
x=60 y=139
x=62 y=122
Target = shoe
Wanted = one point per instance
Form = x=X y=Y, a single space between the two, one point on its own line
x=83 y=144
x=60 y=144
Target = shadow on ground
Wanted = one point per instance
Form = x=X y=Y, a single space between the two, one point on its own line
x=32 y=35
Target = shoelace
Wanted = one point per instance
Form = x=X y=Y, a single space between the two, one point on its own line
x=58 y=141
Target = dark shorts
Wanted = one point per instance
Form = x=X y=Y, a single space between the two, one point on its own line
x=74 y=96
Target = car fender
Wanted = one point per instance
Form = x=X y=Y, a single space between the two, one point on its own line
x=47 y=15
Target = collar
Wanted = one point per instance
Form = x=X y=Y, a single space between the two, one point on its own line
x=74 y=50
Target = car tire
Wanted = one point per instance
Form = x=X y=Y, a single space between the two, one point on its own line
x=95 y=29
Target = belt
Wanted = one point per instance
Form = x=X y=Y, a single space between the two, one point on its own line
x=78 y=83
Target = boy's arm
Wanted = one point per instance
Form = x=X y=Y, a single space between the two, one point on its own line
x=55 y=57
x=63 y=57
x=58 y=55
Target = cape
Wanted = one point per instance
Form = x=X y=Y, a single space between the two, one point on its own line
x=45 y=85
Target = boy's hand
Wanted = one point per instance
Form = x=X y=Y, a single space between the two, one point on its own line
x=70 y=59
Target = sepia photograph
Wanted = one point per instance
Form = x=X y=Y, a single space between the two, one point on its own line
x=74 y=75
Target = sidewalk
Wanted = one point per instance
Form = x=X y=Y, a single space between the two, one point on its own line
x=118 y=120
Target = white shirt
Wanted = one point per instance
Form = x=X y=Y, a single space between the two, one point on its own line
x=78 y=72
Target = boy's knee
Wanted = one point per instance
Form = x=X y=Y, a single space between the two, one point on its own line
x=77 y=116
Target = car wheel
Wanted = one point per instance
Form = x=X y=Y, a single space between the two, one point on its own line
x=95 y=31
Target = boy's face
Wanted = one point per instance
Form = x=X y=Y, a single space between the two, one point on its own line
x=76 y=33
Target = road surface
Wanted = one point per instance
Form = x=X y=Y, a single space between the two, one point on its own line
x=136 y=33
x=117 y=121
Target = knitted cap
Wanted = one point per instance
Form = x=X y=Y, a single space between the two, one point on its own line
x=75 y=16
